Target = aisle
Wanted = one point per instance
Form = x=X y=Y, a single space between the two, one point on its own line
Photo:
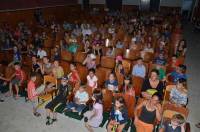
x=193 y=63
x=16 y=116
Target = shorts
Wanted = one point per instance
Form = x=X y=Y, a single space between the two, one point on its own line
x=15 y=81
x=34 y=103
x=52 y=104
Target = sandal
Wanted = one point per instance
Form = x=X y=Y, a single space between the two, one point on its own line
x=198 y=125
x=49 y=121
x=37 y=114
x=8 y=94
x=16 y=97
x=54 y=120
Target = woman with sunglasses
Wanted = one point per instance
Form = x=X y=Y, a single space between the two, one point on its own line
x=150 y=111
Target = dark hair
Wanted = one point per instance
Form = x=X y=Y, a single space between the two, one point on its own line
x=155 y=71
x=179 y=118
x=157 y=95
x=17 y=64
x=183 y=67
x=97 y=94
x=121 y=100
x=74 y=64
x=183 y=81
x=174 y=55
x=33 y=74
x=183 y=40
x=119 y=62
x=128 y=77
x=139 y=58
x=91 y=70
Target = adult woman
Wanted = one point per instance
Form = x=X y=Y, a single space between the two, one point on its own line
x=152 y=85
x=150 y=111
x=181 y=48
x=94 y=117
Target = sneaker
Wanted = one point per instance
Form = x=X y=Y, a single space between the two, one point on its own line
x=54 y=120
x=49 y=121
x=198 y=125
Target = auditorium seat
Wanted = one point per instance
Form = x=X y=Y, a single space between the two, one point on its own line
x=107 y=62
x=66 y=56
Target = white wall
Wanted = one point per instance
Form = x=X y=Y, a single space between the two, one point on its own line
x=94 y=1
x=170 y=3
x=131 y=2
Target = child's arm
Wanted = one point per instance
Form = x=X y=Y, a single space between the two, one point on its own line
x=136 y=110
x=158 y=112
x=4 y=79
x=12 y=76
x=183 y=127
x=161 y=130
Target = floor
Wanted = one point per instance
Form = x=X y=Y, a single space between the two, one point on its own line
x=193 y=63
x=16 y=116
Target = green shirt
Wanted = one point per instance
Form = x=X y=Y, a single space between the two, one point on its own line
x=162 y=73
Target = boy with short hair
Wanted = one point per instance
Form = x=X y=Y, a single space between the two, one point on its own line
x=175 y=125
x=17 y=79
x=33 y=94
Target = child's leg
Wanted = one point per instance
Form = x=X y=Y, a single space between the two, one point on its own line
x=17 y=90
x=10 y=89
x=80 y=108
x=48 y=111
x=70 y=105
x=109 y=127
x=34 y=104
x=55 y=115
x=48 y=118
x=120 y=127
x=89 y=128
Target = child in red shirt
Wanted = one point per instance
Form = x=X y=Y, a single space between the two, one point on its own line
x=17 y=80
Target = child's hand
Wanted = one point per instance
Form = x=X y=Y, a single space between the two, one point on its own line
x=135 y=120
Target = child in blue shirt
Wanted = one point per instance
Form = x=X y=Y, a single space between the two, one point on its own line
x=112 y=83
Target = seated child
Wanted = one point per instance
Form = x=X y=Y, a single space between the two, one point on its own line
x=92 y=79
x=110 y=52
x=118 y=116
x=73 y=75
x=175 y=125
x=119 y=68
x=90 y=61
x=60 y=98
x=178 y=73
x=179 y=94
x=94 y=117
x=128 y=87
x=79 y=101
x=112 y=83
